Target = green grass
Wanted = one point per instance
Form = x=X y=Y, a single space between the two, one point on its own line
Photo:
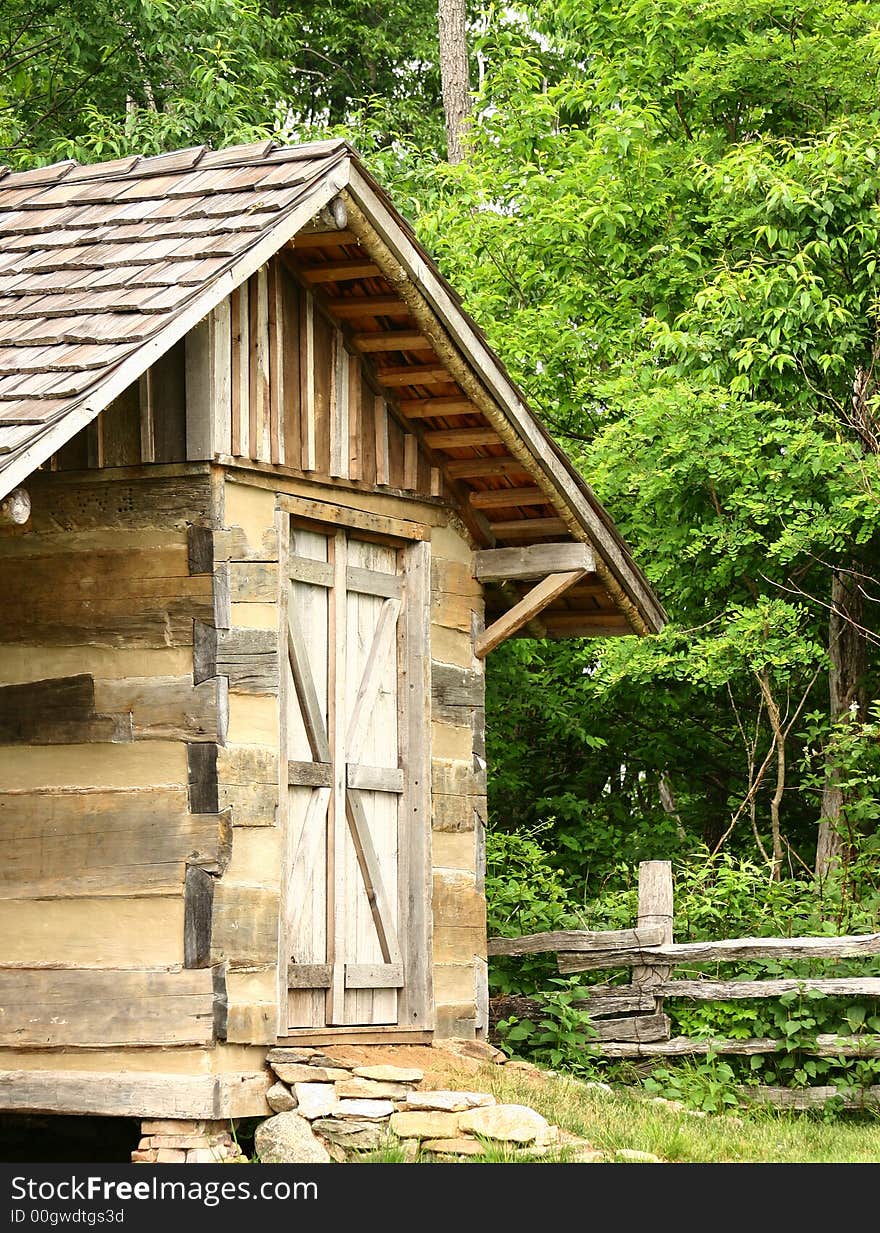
x=626 y=1119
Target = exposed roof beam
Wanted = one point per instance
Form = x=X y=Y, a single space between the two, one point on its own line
x=461 y=438
x=338 y=271
x=412 y=374
x=503 y=498
x=535 y=561
x=524 y=527
x=392 y=340
x=366 y=306
x=426 y=408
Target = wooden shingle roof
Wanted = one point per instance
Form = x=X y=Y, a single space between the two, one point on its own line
x=103 y=268
x=96 y=261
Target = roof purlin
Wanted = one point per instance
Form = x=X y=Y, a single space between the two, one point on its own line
x=81 y=413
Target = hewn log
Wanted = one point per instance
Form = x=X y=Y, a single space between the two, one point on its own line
x=144 y=1095
x=655 y=910
x=727 y=951
x=729 y=990
x=197 y=918
x=58 y=711
x=825 y=1045
x=248 y=658
x=577 y=940
x=638 y=1028
x=810 y=1097
x=77 y=1009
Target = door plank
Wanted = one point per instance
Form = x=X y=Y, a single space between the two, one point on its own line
x=377 y=659
x=380 y=905
x=312 y=835
x=375 y=778
x=373 y=582
x=374 y=976
x=336 y=882
x=308 y=976
x=305 y=688
x=309 y=774
x=305 y=569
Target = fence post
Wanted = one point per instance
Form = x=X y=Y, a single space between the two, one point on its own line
x=655 y=908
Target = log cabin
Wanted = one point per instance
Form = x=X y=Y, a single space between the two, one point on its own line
x=268 y=502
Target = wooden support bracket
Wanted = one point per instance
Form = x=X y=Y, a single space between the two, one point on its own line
x=528 y=607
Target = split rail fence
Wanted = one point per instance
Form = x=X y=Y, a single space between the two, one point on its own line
x=629 y=1020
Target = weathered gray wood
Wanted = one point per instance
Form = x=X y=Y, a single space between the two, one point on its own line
x=245 y=927
x=249 y=784
x=374 y=778
x=681 y=1046
x=377 y=657
x=374 y=976
x=655 y=910
x=131 y=502
x=248 y=658
x=132 y=1094
x=317 y=573
x=536 y=561
x=58 y=711
x=202 y=777
x=221 y=1000
x=728 y=951
x=537 y=599
x=617 y=1002
x=606 y=942
x=801 y=1098
x=638 y=1027
x=309 y=774
x=197 y=918
x=309 y=975
x=371 y=872
x=200 y=549
x=46 y=1008
x=221 y=606
x=453 y=688
x=373 y=582
x=730 y=990
x=168 y=708
x=312 y=716
x=60 y=844
x=416 y=999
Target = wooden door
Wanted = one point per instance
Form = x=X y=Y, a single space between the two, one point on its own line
x=351 y=723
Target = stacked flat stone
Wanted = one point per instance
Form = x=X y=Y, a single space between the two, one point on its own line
x=326 y=1108
x=170 y=1141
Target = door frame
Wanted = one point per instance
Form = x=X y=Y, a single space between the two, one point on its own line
x=415 y=915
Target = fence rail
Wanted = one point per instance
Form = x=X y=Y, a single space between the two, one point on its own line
x=629 y=1020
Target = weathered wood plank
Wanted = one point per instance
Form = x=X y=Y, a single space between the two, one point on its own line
x=202 y=777
x=537 y=599
x=368 y=861
x=728 y=951
x=253 y=582
x=374 y=976
x=248 y=784
x=357 y=519
x=124 y=504
x=168 y=708
x=197 y=917
x=373 y=582
x=133 y=1094
x=248 y=658
x=246 y=921
x=44 y=1008
x=681 y=1046
x=317 y=573
x=526 y=528
x=460 y=438
x=622 y=1001
x=309 y=975
x=453 y=689
x=655 y=909
x=811 y=1097
x=374 y=778
x=507 y=498
x=309 y=774
x=374 y=668
x=638 y=1028
x=58 y=844
x=577 y=940
x=58 y=711
x=304 y=684
x=731 y=990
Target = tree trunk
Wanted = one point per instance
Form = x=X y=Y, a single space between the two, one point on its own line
x=454 y=75
x=847 y=648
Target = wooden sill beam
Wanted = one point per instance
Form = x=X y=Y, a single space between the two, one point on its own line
x=366 y=306
x=504 y=498
x=392 y=340
x=338 y=271
x=536 y=561
x=528 y=607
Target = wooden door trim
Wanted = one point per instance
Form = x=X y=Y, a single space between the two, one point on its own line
x=325 y=512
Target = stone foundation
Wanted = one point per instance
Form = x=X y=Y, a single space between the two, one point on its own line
x=186 y=1142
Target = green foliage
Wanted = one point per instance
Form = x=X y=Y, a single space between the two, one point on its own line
x=559 y=1038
